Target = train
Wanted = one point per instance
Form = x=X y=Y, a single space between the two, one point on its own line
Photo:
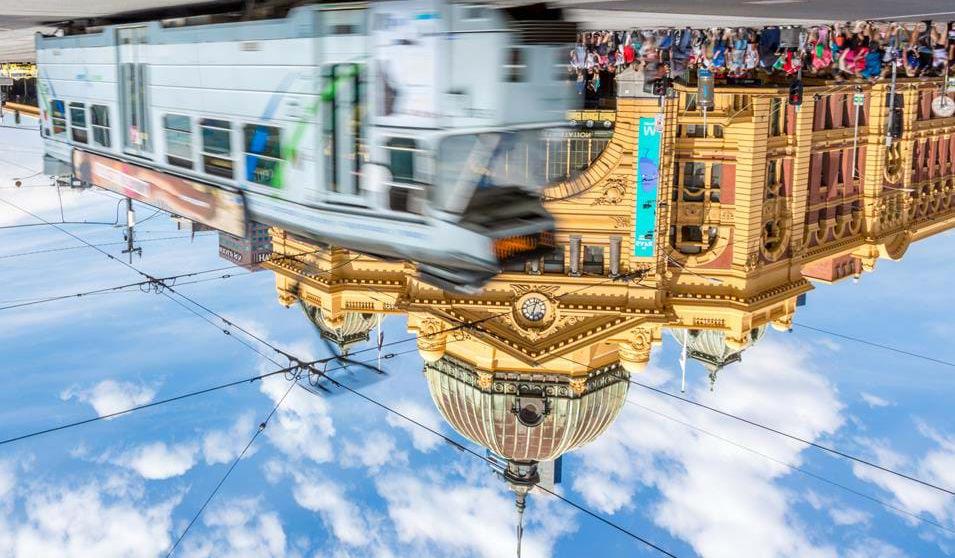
x=405 y=129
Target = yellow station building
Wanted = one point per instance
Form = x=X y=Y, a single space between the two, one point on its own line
x=752 y=208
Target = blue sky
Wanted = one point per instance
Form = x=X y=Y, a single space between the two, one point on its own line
x=336 y=476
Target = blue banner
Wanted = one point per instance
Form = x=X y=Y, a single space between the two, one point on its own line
x=648 y=176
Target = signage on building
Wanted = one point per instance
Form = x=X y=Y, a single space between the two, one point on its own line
x=216 y=207
x=648 y=178
x=18 y=71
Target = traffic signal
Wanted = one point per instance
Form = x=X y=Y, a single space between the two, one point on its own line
x=795 y=93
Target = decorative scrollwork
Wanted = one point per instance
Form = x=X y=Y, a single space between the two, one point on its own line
x=613 y=192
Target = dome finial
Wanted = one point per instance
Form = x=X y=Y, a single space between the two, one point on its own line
x=521 y=477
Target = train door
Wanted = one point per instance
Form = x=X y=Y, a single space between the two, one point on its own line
x=133 y=98
x=342 y=132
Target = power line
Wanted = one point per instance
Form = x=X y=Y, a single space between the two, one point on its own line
x=67 y=248
x=793 y=437
x=144 y=406
x=459 y=446
x=405 y=417
x=58 y=223
x=874 y=344
x=339 y=384
x=235 y=462
x=190 y=394
x=157 y=282
x=791 y=467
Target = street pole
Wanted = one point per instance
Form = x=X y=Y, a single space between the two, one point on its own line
x=855 y=134
x=130 y=225
x=891 y=123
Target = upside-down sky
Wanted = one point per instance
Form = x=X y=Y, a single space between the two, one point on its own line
x=338 y=476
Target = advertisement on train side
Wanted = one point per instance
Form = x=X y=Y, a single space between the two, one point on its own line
x=405 y=37
x=209 y=205
x=648 y=177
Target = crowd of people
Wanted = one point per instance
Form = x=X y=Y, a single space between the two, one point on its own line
x=860 y=50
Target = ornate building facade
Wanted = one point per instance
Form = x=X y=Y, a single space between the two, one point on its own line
x=756 y=199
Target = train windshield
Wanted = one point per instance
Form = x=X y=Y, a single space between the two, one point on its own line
x=470 y=162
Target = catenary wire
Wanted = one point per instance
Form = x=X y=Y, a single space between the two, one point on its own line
x=875 y=344
x=634 y=382
x=483 y=458
x=67 y=248
x=235 y=462
x=791 y=467
x=389 y=409
x=776 y=431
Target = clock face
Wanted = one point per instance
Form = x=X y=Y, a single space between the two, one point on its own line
x=534 y=309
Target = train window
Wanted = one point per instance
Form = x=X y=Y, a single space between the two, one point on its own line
x=475 y=12
x=401 y=158
x=344 y=22
x=99 y=117
x=78 y=129
x=263 y=154
x=217 y=147
x=516 y=67
x=405 y=192
x=178 y=131
x=58 y=117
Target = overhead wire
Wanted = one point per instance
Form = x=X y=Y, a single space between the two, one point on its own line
x=20 y=303
x=447 y=439
x=382 y=405
x=822 y=447
x=187 y=395
x=485 y=459
x=753 y=423
x=67 y=248
x=875 y=344
x=791 y=467
x=135 y=408
x=235 y=462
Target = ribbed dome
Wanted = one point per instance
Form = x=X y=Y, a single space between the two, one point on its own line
x=487 y=417
x=353 y=329
x=710 y=346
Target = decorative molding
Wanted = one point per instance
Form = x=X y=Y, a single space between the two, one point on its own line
x=613 y=192
x=621 y=221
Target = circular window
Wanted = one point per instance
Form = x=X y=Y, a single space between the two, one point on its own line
x=530 y=415
x=534 y=309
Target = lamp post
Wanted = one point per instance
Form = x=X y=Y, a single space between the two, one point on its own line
x=891 y=123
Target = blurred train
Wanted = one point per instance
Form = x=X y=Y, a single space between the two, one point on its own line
x=405 y=129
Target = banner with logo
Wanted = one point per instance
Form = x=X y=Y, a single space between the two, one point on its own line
x=648 y=176
x=210 y=205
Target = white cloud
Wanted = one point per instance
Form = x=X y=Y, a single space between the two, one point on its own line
x=93 y=519
x=239 y=529
x=329 y=501
x=717 y=497
x=422 y=440
x=110 y=396
x=157 y=460
x=848 y=516
x=375 y=450
x=223 y=446
x=874 y=400
x=420 y=506
x=936 y=466
x=302 y=428
x=874 y=548
x=829 y=344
